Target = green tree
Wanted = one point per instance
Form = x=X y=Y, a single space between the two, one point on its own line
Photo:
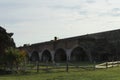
x=14 y=58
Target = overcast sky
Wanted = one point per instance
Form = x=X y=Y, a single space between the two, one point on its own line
x=34 y=21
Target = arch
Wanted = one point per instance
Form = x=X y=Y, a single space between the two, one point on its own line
x=103 y=57
x=60 y=55
x=34 y=56
x=78 y=54
x=46 y=56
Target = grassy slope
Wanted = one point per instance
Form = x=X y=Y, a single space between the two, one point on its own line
x=76 y=74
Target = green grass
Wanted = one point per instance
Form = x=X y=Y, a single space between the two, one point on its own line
x=73 y=74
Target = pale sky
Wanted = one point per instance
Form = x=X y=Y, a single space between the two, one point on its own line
x=34 y=21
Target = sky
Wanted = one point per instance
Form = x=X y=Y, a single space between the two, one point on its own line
x=34 y=21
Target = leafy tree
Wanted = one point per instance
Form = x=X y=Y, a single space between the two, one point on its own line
x=6 y=41
x=14 y=58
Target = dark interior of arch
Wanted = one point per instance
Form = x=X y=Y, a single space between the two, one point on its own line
x=103 y=56
x=106 y=57
x=60 y=56
x=79 y=55
x=35 y=56
x=46 y=56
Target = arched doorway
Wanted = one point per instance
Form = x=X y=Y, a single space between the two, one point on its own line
x=60 y=56
x=79 y=55
x=46 y=56
x=35 y=56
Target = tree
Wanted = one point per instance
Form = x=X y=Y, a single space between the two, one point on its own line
x=6 y=41
x=14 y=58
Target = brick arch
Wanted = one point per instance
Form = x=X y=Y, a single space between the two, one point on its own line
x=46 y=56
x=34 y=56
x=79 y=54
x=60 y=55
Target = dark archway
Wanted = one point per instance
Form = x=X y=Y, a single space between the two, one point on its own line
x=35 y=56
x=79 y=55
x=46 y=56
x=106 y=57
x=60 y=56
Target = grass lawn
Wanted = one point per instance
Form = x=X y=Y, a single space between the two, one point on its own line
x=73 y=74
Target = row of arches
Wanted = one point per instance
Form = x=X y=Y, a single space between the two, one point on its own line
x=77 y=54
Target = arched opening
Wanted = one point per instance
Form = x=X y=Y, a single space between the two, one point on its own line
x=35 y=56
x=46 y=56
x=60 y=56
x=79 y=55
x=106 y=57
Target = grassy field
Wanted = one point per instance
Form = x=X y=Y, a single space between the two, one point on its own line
x=73 y=74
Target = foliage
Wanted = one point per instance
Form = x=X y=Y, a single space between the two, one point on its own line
x=14 y=57
x=6 y=41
